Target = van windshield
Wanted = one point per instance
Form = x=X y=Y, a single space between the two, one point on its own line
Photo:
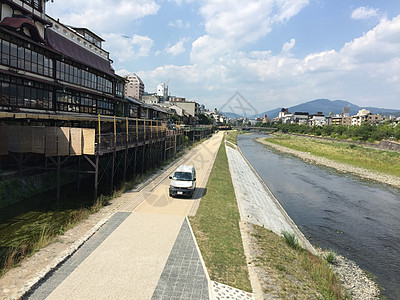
x=182 y=176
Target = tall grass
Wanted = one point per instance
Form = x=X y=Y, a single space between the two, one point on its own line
x=291 y=240
x=293 y=272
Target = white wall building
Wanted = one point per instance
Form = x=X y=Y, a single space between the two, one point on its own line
x=162 y=90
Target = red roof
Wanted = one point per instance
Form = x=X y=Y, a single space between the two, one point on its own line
x=76 y=52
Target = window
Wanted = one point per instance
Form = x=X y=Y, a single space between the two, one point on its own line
x=25 y=94
x=36 y=4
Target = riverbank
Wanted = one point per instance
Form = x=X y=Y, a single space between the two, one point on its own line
x=341 y=167
x=269 y=256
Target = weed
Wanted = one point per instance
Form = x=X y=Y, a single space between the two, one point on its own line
x=291 y=240
x=330 y=257
x=61 y=231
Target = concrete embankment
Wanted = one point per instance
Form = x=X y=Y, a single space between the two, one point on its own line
x=257 y=205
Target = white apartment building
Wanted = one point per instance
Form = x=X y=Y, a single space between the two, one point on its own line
x=135 y=87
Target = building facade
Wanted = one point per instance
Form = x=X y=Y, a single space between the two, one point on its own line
x=191 y=107
x=134 y=87
x=46 y=66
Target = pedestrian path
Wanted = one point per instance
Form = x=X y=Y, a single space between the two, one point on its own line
x=146 y=249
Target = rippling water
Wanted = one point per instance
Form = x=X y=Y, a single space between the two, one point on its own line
x=356 y=218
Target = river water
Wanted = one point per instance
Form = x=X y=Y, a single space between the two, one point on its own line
x=357 y=219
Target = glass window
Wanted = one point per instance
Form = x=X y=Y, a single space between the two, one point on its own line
x=13 y=55
x=27 y=96
x=34 y=62
x=28 y=59
x=5 y=93
x=5 y=57
x=13 y=94
x=21 y=57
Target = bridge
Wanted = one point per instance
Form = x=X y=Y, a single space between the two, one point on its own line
x=255 y=128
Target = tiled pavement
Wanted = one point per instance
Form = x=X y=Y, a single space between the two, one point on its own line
x=183 y=276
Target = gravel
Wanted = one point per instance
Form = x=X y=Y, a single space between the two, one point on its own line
x=353 y=278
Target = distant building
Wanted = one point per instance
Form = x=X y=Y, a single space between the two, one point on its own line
x=361 y=116
x=150 y=99
x=317 y=119
x=176 y=99
x=346 y=111
x=300 y=117
x=375 y=119
x=266 y=119
x=134 y=87
x=191 y=107
x=162 y=91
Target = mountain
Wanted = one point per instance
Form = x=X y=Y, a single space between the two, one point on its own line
x=232 y=115
x=326 y=106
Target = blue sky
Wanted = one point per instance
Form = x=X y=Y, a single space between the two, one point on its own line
x=275 y=53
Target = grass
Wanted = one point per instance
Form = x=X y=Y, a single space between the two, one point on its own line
x=386 y=162
x=216 y=227
x=28 y=233
x=292 y=272
x=231 y=136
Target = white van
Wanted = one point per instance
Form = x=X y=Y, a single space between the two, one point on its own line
x=183 y=182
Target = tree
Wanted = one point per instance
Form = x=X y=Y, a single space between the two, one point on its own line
x=205 y=120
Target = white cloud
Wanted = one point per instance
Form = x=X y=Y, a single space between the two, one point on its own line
x=176 y=49
x=363 y=12
x=365 y=70
x=144 y=43
x=179 y=24
x=123 y=48
x=100 y=15
x=236 y=24
x=288 y=46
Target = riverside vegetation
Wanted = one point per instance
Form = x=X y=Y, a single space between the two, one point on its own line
x=294 y=272
x=386 y=162
x=365 y=132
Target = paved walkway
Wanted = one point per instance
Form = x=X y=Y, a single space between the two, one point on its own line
x=146 y=250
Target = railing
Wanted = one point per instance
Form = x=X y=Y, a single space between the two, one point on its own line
x=128 y=133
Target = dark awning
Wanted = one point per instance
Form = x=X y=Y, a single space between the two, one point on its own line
x=20 y=23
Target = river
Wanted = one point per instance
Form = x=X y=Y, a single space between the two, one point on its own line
x=356 y=218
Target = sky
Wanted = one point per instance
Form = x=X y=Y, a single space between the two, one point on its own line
x=272 y=53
